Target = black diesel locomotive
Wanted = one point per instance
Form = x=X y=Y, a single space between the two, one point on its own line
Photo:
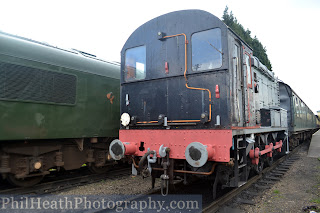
x=195 y=101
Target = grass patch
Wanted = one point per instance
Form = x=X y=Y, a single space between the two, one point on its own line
x=276 y=191
x=315 y=201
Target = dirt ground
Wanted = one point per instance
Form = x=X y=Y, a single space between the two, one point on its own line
x=297 y=191
x=128 y=185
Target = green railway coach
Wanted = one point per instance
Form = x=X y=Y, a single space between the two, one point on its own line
x=58 y=109
x=302 y=123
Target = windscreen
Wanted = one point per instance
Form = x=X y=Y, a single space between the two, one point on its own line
x=135 y=64
x=206 y=50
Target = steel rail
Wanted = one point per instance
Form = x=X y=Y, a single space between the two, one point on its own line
x=64 y=184
x=215 y=205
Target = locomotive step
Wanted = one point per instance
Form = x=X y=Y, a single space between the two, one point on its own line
x=242 y=165
x=242 y=147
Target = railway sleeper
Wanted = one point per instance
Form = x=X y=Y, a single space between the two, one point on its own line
x=251 y=193
x=246 y=201
x=272 y=178
x=262 y=186
x=266 y=181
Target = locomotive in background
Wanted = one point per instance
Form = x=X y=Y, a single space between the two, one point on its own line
x=59 y=109
x=195 y=101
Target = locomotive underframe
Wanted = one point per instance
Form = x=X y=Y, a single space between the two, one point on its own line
x=22 y=161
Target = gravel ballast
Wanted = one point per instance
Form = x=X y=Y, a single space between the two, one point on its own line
x=297 y=191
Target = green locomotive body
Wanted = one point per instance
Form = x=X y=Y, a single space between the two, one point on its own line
x=54 y=104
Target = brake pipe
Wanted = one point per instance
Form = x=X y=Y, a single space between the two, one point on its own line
x=179 y=171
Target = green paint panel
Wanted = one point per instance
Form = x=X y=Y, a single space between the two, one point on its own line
x=303 y=117
x=37 y=87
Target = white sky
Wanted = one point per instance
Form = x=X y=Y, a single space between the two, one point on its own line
x=290 y=30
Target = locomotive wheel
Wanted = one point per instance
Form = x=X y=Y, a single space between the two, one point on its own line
x=258 y=168
x=269 y=161
x=24 y=182
x=98 y=170
x=215 y=189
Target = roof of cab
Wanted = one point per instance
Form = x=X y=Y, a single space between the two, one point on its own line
x=182 y=21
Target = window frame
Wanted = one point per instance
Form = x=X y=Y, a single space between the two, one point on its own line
x=249 y=84
x=204 y=70
x=125 y=65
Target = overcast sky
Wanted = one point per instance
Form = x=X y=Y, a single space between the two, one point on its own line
x=290 y=30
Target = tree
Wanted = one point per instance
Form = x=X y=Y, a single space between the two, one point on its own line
x=259 y=50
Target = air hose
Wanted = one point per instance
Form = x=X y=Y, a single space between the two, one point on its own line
x=144 y=157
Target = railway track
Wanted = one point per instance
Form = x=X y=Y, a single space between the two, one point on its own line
x=64 y=184
x=268 y=176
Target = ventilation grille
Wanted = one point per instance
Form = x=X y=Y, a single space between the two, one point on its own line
x=22 y=83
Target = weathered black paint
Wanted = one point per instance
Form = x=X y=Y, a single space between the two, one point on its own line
x=166 y=93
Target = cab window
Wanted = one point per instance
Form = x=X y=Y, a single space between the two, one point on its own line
x=206 y=50
x=135 y=64
x=248 y=68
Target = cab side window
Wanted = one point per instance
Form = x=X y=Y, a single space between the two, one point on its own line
x=248 y=68
x=135 y=64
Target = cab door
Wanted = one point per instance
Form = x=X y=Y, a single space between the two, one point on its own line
x=250 y=118
x=237 y=74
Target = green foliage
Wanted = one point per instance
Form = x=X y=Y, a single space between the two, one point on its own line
x=276 y=191
x=316 y=201
x=259 y=50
